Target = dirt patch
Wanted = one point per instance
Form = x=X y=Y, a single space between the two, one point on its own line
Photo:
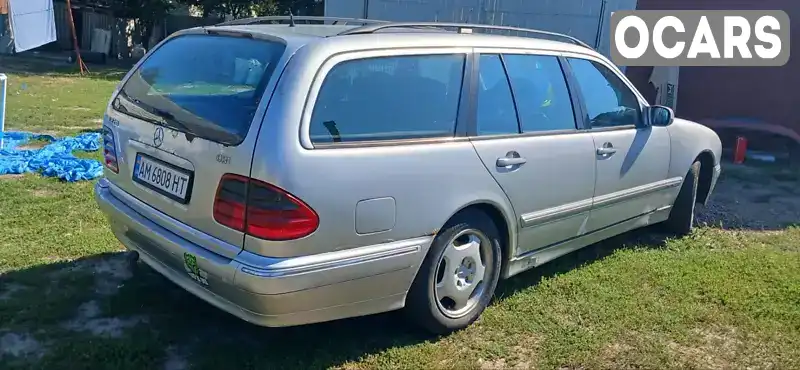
x=107 y=327
x=526 y=347
x=88 y=320
x=12 y=176
x=9 y=290
x=110 y=274
x=20 y=345
x=78 y=128
x=106 y=287
x=54 y=80
x=117 y=267
x=176 y=359
x=71 y=268
x=89 y=310
x=712 y=349
x=752 y=198
x=51 y=259
x=492 y=365
x=35 y=145
x=43 y=193
x=614 y=352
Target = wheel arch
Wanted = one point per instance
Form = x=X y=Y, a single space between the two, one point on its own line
x=504 y=222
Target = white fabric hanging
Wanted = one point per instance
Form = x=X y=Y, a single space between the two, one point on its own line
x=33 y=23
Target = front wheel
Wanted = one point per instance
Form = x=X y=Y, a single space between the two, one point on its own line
x=459 y=275
x=681 y=217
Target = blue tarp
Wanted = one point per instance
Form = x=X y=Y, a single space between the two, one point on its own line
x=54 y=159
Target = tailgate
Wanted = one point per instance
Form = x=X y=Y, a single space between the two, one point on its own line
x=187 y=115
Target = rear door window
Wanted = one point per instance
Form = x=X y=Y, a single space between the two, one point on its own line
x=389 y=98
x=204 y=85
x=496 y=112
x=541 y=93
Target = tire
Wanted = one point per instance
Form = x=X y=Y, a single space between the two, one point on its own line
x=432 y=307
x=681 y=217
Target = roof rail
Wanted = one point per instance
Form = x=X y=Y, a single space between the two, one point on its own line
x=462 y=28
x=299 y=19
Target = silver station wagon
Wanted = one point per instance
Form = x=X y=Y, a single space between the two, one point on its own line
x=295 y=173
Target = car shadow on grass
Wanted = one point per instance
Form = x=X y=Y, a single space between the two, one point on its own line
x=92 y=313
x=166 y=323
x=101 y=312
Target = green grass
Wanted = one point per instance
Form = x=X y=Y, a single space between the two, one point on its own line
x=716 y=299
x=50 y=100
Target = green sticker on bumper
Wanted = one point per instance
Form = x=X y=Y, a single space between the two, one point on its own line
x=194 y=271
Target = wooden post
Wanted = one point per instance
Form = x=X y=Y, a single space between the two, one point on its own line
x=3 y=85
x=78 y=58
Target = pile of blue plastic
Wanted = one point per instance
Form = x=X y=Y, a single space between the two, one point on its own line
x=54 y=159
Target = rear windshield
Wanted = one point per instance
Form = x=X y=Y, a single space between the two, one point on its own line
x=206 y=86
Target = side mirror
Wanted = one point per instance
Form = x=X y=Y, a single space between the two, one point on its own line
x=660 y=115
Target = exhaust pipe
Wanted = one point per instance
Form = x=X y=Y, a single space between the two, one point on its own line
x=132 y=257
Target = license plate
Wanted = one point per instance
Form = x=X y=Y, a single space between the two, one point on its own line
x=171 y=181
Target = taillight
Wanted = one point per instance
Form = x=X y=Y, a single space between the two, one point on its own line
x=109 y=150
x=230 y=204
x=262 y=210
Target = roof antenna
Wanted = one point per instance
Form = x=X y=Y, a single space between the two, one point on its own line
x=291 y=19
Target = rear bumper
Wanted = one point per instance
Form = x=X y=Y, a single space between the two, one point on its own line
x=262 y=290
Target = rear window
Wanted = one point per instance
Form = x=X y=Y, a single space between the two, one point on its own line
x=389 y=98
x=207 y=86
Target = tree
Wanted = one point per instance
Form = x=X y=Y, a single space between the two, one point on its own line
x=146 y=13
x=301 y=7
x=265 y=8
x=235 y=8
x=249 y=8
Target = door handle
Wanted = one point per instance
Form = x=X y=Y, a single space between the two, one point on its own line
x=510 y=161
x=606 y=149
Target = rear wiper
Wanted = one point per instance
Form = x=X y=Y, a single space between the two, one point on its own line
x=167 y=117
x=122 y=108
x=170 y=118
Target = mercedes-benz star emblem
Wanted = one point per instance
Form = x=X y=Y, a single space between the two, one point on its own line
x=158 y=137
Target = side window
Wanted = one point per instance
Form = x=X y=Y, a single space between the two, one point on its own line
x=496 y=113
x=389 y=98
x=541 y=93
x=609 y=102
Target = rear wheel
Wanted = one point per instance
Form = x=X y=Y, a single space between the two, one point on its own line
x=459 y=275
x=681 y=217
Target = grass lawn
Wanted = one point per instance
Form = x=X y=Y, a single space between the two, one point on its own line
x=717 y=299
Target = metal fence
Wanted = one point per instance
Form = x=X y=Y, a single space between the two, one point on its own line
x=585 y=19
